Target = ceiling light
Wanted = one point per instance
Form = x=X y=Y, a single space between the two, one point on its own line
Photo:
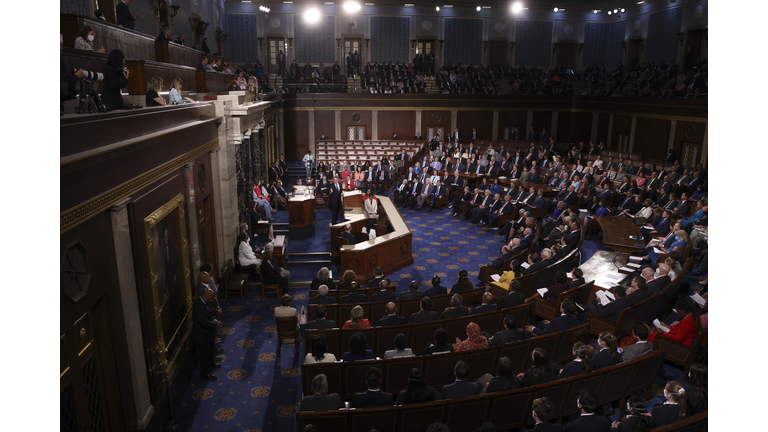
x=437 y=8
x=615 y=11
x=328 y=3
x=447 y=6
x=609 y=12
x=264 y=9
x=595 y=11
x=486 y=7
x=246 y=1
x=312 y=15
x=351 y=6
x=288 y=2
x=409 y=4
x=517 y=7
x=556 y=9
x=478 y=8
x=623 y=10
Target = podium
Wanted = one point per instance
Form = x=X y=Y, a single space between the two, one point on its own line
x=301 y=217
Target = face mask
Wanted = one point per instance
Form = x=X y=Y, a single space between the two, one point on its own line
x=578 y=404
x=677 y=238
x=90 y=38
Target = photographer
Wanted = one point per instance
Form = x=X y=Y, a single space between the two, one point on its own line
x=67 y=79
x=115 y=78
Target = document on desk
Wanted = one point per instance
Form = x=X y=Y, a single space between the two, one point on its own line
x=604 y=297
x=614 y=276
x=650 y=227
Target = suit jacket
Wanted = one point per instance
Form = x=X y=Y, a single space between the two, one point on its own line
x=508 y=336
x=391 y=320
x=321 y=300
x=511 y=299
x=459 y=389
x=611 y=311
x=563 y=322
x=321 y=323
x=423 y=316
x=657 y=284
x=484 y=308
x=335 y=196
x=454 y=313
x=373 y=283
x=213 y=306
x=383 y=295
x=538 y=266
x=124 y=15
x=636 y=350
x=411 y=294
x=353 y=298
x=270 y=272
x=572 y=239
x=589 y=423
x=325 y=402
x=348 y=236
x=372 y=399
x=204 y=325
x=546 y=427
x=436 y=290
x=665 y=415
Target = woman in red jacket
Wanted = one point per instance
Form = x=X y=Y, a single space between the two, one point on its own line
x=684 y=330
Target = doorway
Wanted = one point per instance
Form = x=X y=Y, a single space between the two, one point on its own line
x=205 y=224
x=425 y=51
x=352 y=45
x=622 y=142
x=635 y=50
x=566 y=54
x=274 y=47
x=499 y=54
x=691 y=153
x=433 y=131
x=355 y=133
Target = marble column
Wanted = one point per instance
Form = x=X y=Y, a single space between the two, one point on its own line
x=189 y=197
x=595 y=126
x=337 y=118
x=374 y=124
x=495 y=131
x=224 y=184
x=672 y=130
x=610 y=130
x=632 y=135
x=705 y=145
x=130 y=303
x=280 y=131
x=454 y=121
x=553 y=124
x=311 y=127
x=528 y=125
x=418 y=124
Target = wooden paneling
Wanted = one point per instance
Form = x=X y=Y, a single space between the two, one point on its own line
x=541 y=119
x=681 y=129
x=573 y=127
x=513 y=118
x=566 y=54
x=651 y=138
x=142 y=72
x=401 y=122
x=427 y=120
x=602 y=129
x=325 y=123
x=621 y=125
x=366 y=119
x=480 y=120
x=499 y=53
x=296 y=135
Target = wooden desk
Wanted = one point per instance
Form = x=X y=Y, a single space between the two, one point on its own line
x=352 y=199
x=620 y=234
x=391 y=251
x=549 y=191
x=279 y=253
x=301 y=217
x=356 y=218
x=603 y=269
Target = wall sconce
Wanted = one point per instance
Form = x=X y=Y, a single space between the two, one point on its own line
x=581 y=47
x=338 y=44
x=290 y=43
x=485 y=46
x=511 y=47
x=681 y=38
x=261 y=43
x=175 y=11
x=413 y=44
x=367 y=41
x=624 y=45
x=160 y=4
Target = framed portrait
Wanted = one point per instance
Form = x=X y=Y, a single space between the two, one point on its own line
x=172 y=294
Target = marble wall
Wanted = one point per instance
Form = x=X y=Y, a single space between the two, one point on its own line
x=662 y=42
x=389 y=39
x=614 y=52
x=78 y=7
x=595 y=43
x=242 y=42
x=463 y=41
x=145 y=13
x=533 y=43
x=313 y=42
x=181 y=22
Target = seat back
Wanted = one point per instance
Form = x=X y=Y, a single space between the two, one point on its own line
x=286 y=327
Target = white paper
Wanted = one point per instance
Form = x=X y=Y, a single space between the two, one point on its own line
x=635 y=258
x=602 y=297
x=616 y=277
x=650 y=227
x=658 y=251
x=569 y=275
x=661 y=326
x=542 y=291
x=525 y=265
x=633 y=265
x=502 y=177
x=627 y=269
x=495 y=277
x=698 y=299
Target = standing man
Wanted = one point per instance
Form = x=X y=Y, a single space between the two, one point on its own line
x=280 y=62
x=456 y=137
x=124 y=16
x=356 y=62
x=335 y=201
x=204 y=334
x=473 y=136
x=308 y=162
x=350 y=70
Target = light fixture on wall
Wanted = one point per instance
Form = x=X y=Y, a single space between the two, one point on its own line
x=437 y=8
x=478 y=8
x=351 y=6
x=264 y=9
x=517 y=7
x=312 y=15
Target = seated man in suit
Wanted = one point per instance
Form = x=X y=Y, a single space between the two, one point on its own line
x=625 y=298
x=436 y=289
x=373 y=397
x=322 y=296
x=487 y=305
x=391 y=318
x=347 y=234
x=589 y=421
x=514 y=298
x=439 y=191
x=413 y=291
x=641 y=346
x=510 y=333
x=378 y=276
x=578 y=278
x=565 y=321
x=535 y=262
x=400 y=193
x=461 y=387
x=353 y=296
x=440 y=345
x=456 y=309
x=271 y=273
x=469 y=204
x=320 y=322
x=384 y=294
x=425 y=314
x=414 y=191
x=505 y=209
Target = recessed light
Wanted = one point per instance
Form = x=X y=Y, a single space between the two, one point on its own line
x=409 y=4
x=246 y=1
x=328 y=3
x=517 y=7
x=437 y=8
x=288 y=2
x=478 y=8
x=486 y=7
x=447 y=6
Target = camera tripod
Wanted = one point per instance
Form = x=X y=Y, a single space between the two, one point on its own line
x=90 y=101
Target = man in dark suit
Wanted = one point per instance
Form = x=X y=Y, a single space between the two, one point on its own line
x=513 y=134
x=384 y=294
x=510 y=333
x=589 y=421
x=204 y=333
x=456 y=309
x=347 y=234
x=353 y=296
x=473 y=136
x=391 y=318
x=322 y=296
x=335 y=201
x=439 y=192
x=514 y=298
x=378 y=276
x=280 y=62
x=436 y=289
x=565 y=321
x=573 y=237
x=456 y=137
x=460 y=388
x=535 y=263
x=418 y=136
x=413 y=291
x=578 y=277
x=487 y=305
x=373 y=397
x=413 y=193
x=124 y=16
x=271 y=273
x=655 y=285
x=320 y=322
x=401 y=192
x=164 y=36
x=425 y=314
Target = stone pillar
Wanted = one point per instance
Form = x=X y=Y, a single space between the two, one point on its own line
x=280 y=131
x=454 y=122
x=338 y=125
x=610 y=130
x=672 y=130
x=418 y=124
x=705 y=145
x=189 y=197
x=553 y=124
x=495 y=131
x=595 y=126
x=528 y=126
x=374 y=124
x=224 y=183
x=311 y=126
x=632 y=134
x=130 y=303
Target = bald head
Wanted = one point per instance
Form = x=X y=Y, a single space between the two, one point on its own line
x=487 y=298
x=663 y=269
x=647 y=273
x=516 y=242
x=322 y=290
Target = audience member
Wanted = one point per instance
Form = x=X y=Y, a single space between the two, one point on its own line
x=353 y=296
x=356 y=319
x=435 y=289
x=323 y=278
x=174 y=95
x=673 y=408
x=153 y=97
x=440 y=345
x=391 y=318
x=84 y=40
x=510 y=333
x=413 y=291
x=358 y=349
x=425 y=314
x=580 y=363
x=543 y=408
x=320 y=400
x=541 y=370
x=417 y=391
x=588 y=421
x=460 y=387
x=474 y=340
x=565 y=321
x=115 y=78
x=696 y=396
x=456 y=309
x=641 y=346
x=320 y=322
x=608 y=355
x=400 y=349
